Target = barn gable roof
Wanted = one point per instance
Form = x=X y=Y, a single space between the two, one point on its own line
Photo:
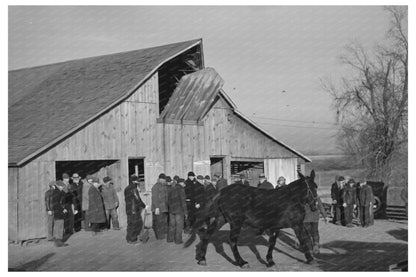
x=47 y=103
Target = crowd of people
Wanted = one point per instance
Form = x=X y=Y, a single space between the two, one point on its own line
x=349 y=196
x=91 y=205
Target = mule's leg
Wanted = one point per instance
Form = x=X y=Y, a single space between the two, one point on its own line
x=234 y=233
x=201 y=251
x=305 y=242
x=272 y=243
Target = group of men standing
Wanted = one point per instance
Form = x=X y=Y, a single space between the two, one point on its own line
x=72 y=205
x=347 y=195
x=175 y=205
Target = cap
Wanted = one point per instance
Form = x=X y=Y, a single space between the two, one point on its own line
x=95 y=180
x=262 y=175
x=190 y=173
x=341 y=178
x=65 y=176
x=217 y=175
x=59 y=183
x=162 y=176
x=351 y=181
x=200 y=177
x=52 y=183
x=181 y=180
x=168 y=179
x=207 y=177
x=75 y=176
x=176 y=178
x=134 y=178
x=106 y=179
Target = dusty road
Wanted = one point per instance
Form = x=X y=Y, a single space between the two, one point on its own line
x=343 y=249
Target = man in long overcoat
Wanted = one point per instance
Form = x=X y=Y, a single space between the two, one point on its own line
x=160 y=207
x=85 y=224
x=134 y=206
x=76 y=188
x=365 y=204
x=336 y=191
x=59 y=213
x=96 y=211
x=349 y=199
x=177 y=211
x=195 y=198
x=49 y=211
x=110 y=199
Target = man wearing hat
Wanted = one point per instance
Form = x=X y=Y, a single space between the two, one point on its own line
x=336 y=192
x=210 y=190
x=263 y=183
x=49 y=211
x=70 y=205
x=243 y=179
x=177 y=211
x=59 y=213
x=160 y=207
x=349 y=199
x=76 y=188
x=96 y=212
x=110 y=199
x=221 y=182
x=85 y=224
x=134 y=206
x=195 y=197
x=365 y=199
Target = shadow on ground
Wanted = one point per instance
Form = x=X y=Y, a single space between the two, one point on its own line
x=360 y=256
x=248 y=237
x=33 y=265
x=399 y=234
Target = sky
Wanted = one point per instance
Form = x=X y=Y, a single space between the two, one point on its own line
x=271 y=58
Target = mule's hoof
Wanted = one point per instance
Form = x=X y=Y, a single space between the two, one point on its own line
x=244 y=266
x=270 y=264
x=311 y=261
x=202 y=262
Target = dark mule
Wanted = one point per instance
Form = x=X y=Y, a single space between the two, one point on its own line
x=265 y=210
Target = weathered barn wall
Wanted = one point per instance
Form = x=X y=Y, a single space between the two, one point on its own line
x=13 y=173
x=128 y=130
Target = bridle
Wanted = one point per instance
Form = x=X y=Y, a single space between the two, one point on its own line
x=309 y=192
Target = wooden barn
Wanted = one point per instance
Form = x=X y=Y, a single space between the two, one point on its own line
x=147 y=111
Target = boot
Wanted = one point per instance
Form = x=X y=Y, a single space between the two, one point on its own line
x=60 y=243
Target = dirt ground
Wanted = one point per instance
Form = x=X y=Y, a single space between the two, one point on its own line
x=343 y=249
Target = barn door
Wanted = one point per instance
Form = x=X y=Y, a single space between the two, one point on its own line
x=274 y=168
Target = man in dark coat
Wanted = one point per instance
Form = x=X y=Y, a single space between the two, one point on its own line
x=264 y=184
x=210 y=189
x=69 y=205
x=160 y=207
x=365 y=204
x=76 y=190
x=221 y=182
x=49 y=211
x=349 y=199
x=110 y=199
x=336 y=191
x=195 y=198
x=311 y=223
x=96 y=211
x=59 y=213
x=134 y=206
x=177 y=211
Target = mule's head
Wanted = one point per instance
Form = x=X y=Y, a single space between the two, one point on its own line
x=312 y=190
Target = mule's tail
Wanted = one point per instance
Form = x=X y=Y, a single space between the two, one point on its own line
x=210 y=211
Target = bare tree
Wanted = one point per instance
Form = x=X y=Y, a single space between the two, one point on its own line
x=372 y=105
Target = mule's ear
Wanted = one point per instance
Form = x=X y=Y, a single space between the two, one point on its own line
x=301 y=175
x=312 y=175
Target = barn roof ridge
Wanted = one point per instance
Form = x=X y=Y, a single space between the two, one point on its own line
x=38 y=120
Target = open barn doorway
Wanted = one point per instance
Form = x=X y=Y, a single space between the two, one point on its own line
x=96 y=168
x=252 y=168
x=217 y=166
